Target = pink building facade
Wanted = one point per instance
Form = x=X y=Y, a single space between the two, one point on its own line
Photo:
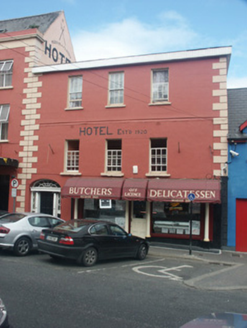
x=140 y=141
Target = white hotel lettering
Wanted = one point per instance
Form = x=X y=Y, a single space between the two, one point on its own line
x=90 y=191
x=182 y=194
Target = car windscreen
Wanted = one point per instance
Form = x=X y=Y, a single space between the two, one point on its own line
x=72 y=226
x=12 y=217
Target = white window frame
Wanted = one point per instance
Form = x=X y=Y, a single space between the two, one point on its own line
x=116 y=88
x=113 y=156
x=71 y=157
x=160 y=89
x=4 y=121
x=158 y=157
x=6 y=70
x=75 y=92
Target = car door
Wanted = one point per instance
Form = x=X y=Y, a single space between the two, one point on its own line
x=38 y=223
x=100 y=236
x=122 y=242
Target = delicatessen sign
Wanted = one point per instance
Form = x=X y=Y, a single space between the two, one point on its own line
x=181 y=195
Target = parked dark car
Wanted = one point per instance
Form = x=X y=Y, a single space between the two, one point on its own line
x=20 y=231
x=87 y=241
x=3 y=316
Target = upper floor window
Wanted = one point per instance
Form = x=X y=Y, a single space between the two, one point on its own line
x=160 y=84
x=6 y=73
x=72 y=156
x=116 y=88
x=158 y=155
x=4 y=121
x=75 y=91
x=114 y=155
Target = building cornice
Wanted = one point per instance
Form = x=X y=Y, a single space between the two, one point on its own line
x=136 y=60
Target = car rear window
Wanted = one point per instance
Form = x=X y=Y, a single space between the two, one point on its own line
x=72 y=226
x=12 y=217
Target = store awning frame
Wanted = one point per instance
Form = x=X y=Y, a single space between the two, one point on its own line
x=164 y=190
x=161 y=190
x=135 y=189
x=10 y=162
x=96 y=188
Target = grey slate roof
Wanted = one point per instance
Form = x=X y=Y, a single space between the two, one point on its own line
x=237 y=112
x=42 y=22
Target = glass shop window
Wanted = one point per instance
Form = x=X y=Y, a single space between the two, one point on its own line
x=174 y=218
x=105 y=209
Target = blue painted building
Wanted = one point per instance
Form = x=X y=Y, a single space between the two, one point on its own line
x=237 y=170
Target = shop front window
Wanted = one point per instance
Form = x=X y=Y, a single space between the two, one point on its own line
x=105 y=209
x=174 y=218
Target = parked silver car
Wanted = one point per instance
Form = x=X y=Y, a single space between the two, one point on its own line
x=3 y=316
x=20 y=231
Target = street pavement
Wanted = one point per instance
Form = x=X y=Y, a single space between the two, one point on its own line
x=232 y=272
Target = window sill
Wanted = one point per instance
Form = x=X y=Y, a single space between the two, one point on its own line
x=112 y=174
x=73 y=108
x=71 y=173
x=4 y=140
x=157 y=174
x=160 y=103
x=6 y=88
x=115 y=106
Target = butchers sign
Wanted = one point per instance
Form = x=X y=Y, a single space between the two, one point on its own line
x=89 y=192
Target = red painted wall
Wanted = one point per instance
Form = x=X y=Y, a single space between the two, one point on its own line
x=187 y=123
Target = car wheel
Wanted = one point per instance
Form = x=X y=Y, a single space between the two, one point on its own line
x=22 y=246
x=142 y=252
x=90 y=256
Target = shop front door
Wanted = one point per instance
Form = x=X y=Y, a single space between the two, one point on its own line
x=138 y=220
x=241 y=225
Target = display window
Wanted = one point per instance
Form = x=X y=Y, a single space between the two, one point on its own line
x=174 y=218
x=107 y=210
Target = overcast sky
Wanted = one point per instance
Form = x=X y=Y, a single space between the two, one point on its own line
x=108 y=28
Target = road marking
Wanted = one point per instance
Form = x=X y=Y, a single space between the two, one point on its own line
x=116 y=267
x=165 y=272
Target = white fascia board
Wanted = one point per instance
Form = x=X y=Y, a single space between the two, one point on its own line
x=133 y=60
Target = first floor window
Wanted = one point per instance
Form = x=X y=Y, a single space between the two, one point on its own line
x=72 y=156
x=114 y=155
x=6 y=73
x=160 y=85
x=116 y=88
x=158 y=155
x=75 y=91
x=4 y=121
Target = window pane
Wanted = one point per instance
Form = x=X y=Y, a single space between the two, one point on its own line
x=75 y=91
x=116 y=88
x=3 y=131
x=160 y=86
x=72 y=155
x=6 y=73
x=158 y=158
x=4 y=113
